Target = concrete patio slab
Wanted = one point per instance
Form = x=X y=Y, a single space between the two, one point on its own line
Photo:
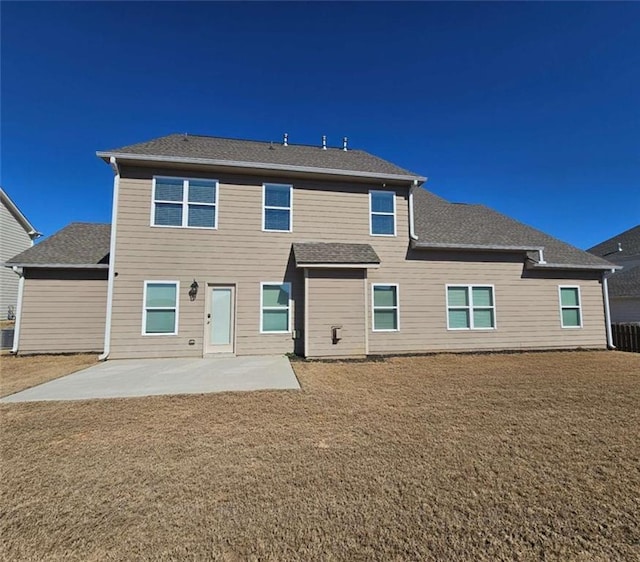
x=151 y=377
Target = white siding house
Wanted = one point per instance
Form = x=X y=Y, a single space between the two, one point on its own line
x=16 y=235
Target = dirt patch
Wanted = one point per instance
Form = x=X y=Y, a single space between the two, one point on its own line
x=22 y=372
x=506 y=457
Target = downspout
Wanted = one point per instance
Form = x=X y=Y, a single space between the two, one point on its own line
x=607 y=312
x=112 y=260
x=412 y=228
x=16 y=329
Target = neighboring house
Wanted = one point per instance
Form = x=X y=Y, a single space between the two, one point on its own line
x=223 y=246
x=624 y=285
x=16 y=234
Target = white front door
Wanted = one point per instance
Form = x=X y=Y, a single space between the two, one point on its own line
x=219 y=321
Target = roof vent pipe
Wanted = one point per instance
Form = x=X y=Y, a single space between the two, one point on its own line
x=344 y=143
x=285 y=140
x=324 y=142
x=619 y=246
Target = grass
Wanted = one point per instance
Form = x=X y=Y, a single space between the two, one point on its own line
x=21 y=372
x=488 y=457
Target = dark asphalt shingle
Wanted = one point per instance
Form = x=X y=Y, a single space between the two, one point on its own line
x=629 y=240
x=625 y=283
x=236 y=150
x=439 y=222
x=79 y=243
x=334 y=252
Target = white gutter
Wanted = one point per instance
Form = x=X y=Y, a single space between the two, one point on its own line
x=16 y=329
x=490 y=247
x=112 y=259
x=60 y=265
x=573 y=266
x=258 y=166
x=607 y=311
x=412 y=227
x=338 y=265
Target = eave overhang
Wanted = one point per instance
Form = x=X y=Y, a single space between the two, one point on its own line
x=59 y=265
x=234 y=166
x=418 y=245
x=337 y=265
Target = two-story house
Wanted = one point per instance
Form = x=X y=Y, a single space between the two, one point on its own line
x=624 y=287
x=224 y=246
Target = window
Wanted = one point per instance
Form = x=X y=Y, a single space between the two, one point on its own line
x=570 y=312
x=275 y=307
x=385 y=308
x=276 y=211
x=189 y=203
x=470 y=307
x=160 y=315
x=382 y=211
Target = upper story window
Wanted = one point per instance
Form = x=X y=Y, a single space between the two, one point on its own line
x=382 y=213
x=187 y=203
x=470 y=307
x=570 y=308
x=276 y=207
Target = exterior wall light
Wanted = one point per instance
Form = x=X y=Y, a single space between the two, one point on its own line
x=193 y=290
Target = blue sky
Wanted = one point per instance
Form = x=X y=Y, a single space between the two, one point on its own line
x=530 y=108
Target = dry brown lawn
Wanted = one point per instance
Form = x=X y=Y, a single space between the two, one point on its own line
x=488 y=457
x=21 y=372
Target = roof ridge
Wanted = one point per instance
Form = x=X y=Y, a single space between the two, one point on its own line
x=276 y=143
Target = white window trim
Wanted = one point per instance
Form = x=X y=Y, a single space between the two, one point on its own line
x=470 y=307
x=265 y=207
x=185 y=203
x=579 y=307
x=371 y=213
x=289 y=307
x=145 y=308
x=374 y=307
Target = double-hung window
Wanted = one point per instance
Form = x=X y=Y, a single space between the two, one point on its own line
x=275 y=307
x=160 y=314
x=385 y=308
x=187 y=203
x=382 y=213
x=470 y=307
x=570 y=308
x=276 y=207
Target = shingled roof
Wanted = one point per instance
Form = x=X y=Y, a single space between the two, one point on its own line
x=310 y=253
x=629 y=241
x=439 y=223
x=256 y=154
x=625 y=283
x=78 y=244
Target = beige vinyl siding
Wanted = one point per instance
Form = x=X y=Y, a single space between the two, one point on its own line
x=625 y=309
x=237 y=253
x=527 y=306
x=63 y=311
x=240 y=253
x=336 y=298
x=13 y=240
